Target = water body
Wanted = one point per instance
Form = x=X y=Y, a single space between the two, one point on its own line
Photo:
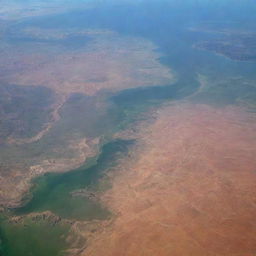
x=31 y=238
x=168 y=29
x=53 y=192
x=168 y=24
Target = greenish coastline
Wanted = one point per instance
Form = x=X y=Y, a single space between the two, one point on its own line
x=30 y=237
x=54 y=192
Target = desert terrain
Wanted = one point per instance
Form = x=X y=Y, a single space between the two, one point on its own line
x=188 y=187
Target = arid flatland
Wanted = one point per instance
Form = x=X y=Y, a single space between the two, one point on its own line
x=187 y=189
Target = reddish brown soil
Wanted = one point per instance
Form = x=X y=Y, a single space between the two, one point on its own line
x=188 y=189
x=111 y=62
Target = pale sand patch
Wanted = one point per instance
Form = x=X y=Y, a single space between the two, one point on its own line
x=187 y=189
